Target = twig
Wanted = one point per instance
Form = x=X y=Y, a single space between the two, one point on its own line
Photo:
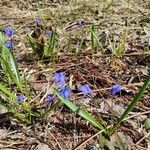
x=146 y=136
x=37 y=137
x=56 y=141
x=79 y=146
x=128 y=54
x=137 y=114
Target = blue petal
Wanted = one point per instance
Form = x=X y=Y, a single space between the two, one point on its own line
x=9 y=31
x=62 y=78
x=50 y=99
x=88 y=89
x=56 y=77
x=38 y=21
x=115 y=89
x=9 y=44
x=84 y=90
x=113 y=92
x=20 y=98
x=66 y=92
x=48 y=33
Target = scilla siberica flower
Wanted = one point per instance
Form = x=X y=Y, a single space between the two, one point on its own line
x=50 y=99
x=59 y=77
x=20 y=98
x=38 y=21
x=85 y=89
x=115 y=89
x=65 y=92
x=9 y=44
x=9 y=31
x=48 y=33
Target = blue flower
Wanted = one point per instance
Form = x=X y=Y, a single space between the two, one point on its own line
x=85 y=89
x=20 y=98
x=115 y=89
x=9 y=31
x=50 y=99
x=9 y=44
x=65 y=92
x=38 y=21
x=88 y=89
x=59 y=77
x=48 y=33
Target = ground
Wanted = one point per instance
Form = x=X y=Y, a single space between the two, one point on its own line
x=83 y=62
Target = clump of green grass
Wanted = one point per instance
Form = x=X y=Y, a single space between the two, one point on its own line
x=8 y=61
x=95 y=42
x=118 y=49
x=43 y=41
x=15 y=92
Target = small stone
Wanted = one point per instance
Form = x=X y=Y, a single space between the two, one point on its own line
x=42 y=146
x=147 y=124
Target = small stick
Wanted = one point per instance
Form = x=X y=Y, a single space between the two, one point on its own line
x=146 y=136
x=79 y=147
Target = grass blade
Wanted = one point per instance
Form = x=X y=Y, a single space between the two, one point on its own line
x=6 y=91
x=15 y=71
x=52 y=107
x=132 y=104
x=8 y=70
x=80 y=112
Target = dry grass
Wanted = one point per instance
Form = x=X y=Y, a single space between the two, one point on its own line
x=63 y=129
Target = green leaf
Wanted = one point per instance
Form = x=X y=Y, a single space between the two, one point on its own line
x=37 y=47
x=132 y=104
x=78 y=49
x=10 y=72
x=94 y=38
x=6 y=91
x=49 y=48
x=32 y=44
x=14 y=68
x=80 y=112
x=105 y=143
x=119 y=141
x=51 y=108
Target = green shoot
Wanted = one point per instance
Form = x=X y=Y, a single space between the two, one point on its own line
x=132 y=104
x=78 y=49
x=80 y=112
x=94 y=39
x=8 y=63
x=119 y=50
